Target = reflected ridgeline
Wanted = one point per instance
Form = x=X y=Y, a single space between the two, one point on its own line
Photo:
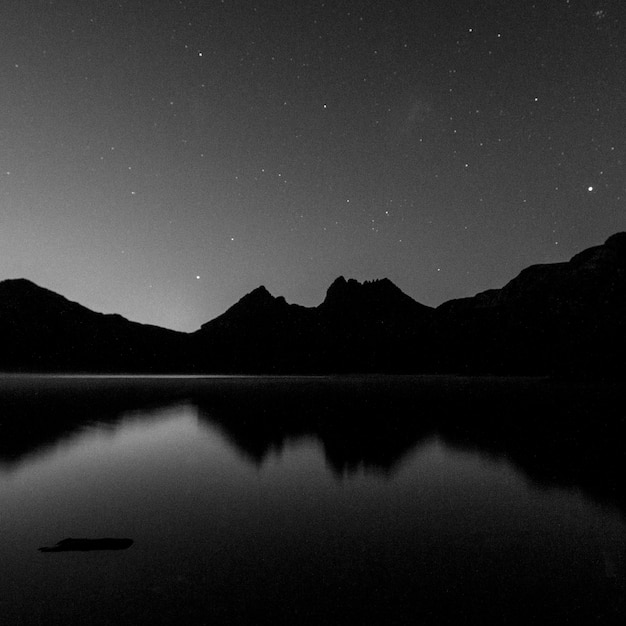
x=557 y=433
x=363 y=423
x=38 y=412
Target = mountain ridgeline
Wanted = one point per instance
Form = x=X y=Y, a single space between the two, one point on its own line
x=563 y=318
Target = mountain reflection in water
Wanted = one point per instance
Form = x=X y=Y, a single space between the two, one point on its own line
x=447 y=498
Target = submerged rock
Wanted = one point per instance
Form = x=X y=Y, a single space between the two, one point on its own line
x=84 y=545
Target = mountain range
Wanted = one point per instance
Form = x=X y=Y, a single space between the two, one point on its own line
x=564 y=318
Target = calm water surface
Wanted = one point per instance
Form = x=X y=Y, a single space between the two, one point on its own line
x=300 y=501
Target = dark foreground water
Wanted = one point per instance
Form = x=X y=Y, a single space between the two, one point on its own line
x=326 y=501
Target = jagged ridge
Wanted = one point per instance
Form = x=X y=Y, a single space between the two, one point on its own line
x=561 y=317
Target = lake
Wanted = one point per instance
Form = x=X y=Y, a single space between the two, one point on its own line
x=353 y=500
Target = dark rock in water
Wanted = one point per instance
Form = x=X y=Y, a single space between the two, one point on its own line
x=85 y=545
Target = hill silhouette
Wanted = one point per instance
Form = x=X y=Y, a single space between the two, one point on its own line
x=43 y=331
x=560 y=318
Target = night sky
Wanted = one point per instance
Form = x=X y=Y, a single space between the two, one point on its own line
x=160 y=159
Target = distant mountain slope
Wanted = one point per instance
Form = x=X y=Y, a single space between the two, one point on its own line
x=555 y=317
x=563 y=318
x=43 y=331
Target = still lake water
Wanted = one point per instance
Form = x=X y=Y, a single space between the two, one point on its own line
x=405 y=500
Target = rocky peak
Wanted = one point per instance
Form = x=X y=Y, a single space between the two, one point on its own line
x=373 y=295
x=259 y=296
x=342 y=289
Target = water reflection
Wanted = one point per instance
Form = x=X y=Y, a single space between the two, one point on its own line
x=558 y=434
x=358 y=500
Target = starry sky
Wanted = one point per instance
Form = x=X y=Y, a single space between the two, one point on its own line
x=161 y=158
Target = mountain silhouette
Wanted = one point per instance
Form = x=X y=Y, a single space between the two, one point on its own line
x=559 y=317
x=260 y=333
x=357 y=326
x=562 y=318
x=43 y=331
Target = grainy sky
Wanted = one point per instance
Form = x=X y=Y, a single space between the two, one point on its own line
x=160 y=159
